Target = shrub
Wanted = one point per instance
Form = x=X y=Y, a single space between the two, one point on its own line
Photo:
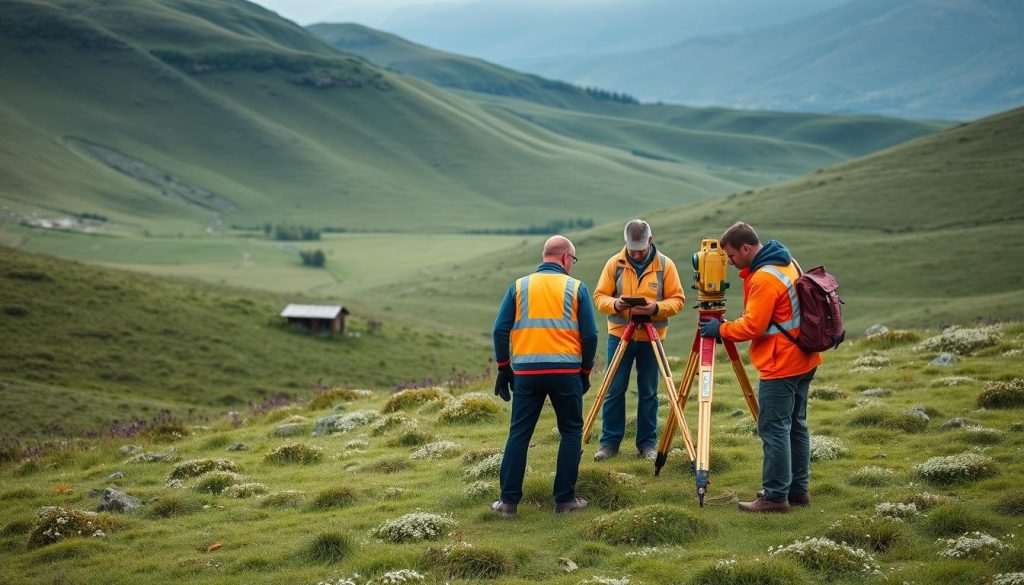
x=655 y=524
x=1008 y=579
x=1003 y=394
x=982 y=435
x=295 y=453
x=466 y=561
x=197 y=467
x=149 y=457
x=414 y=397
x=334 y=497
x=1010 y=503
x=328 y=547
x=871 y=360
x=925 y=501
x=950 y=519
x=412 y=527
x=828 y=557
x=438 y=450
x=607 y=489
x=878 y=533
x=897 y=510
x=952 y=381
x=967 y=466
x=215 y=482
x=873 y=476
x=827 y=448
x=890 y=339
x=385 y=424
x=171 y=505
x=411 y=438
x=283 y=499
x=475 y=456
x=390 y=465
x=329 y=398
x=244 y=490
x=973 y=545
x=826 y=393
x=749 y=572
x=468 y=409
x=58 y=523
x=479 y=488
x=357 y=444
x=485 y=468
x=961 y=340
x=399 y=577
x=888 y=419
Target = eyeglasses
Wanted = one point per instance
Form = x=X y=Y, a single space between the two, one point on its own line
x=574 y=259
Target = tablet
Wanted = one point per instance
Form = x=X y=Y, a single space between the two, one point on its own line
x=636 y=301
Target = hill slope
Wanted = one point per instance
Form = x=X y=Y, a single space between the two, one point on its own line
x=912 y=58
x=195 y=113
x=86 y=345
x=922 y=233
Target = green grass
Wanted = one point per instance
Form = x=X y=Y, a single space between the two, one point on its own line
x=268 y=538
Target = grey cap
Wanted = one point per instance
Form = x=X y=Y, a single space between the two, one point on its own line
x=637 y=235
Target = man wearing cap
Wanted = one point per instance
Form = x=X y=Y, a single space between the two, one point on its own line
x=638 y=270
x=544 y=342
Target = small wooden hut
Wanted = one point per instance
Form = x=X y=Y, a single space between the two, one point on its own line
x=317 y=319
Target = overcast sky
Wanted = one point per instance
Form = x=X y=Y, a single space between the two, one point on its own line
x=368 y=12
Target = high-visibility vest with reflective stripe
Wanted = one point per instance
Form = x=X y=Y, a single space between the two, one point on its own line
x=546 y=329
x=791 y=325
x=659 y=274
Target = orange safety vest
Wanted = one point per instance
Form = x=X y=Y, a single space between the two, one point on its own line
x=547 y=329
x=659 y=283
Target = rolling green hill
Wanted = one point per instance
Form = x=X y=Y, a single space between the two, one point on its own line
x=924 y=233
x=85 y=345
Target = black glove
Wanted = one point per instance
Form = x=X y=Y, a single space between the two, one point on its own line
x=710 y=328
x=503 y=385
x=585 y=380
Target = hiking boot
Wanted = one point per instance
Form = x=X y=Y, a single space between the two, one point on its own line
x=648 y=453
x=606 y=453
x=506 y=510
x=761 y=504
x=803 y=499
x=573 y=505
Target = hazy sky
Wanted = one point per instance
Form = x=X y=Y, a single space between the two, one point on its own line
x=368 y=12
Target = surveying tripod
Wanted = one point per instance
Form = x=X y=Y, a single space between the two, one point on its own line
x=702 y=358
x=666 y=374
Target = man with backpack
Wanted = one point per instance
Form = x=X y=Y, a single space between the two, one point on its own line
x=771 y=322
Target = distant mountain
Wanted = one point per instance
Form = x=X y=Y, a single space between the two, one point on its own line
x=951 y=59
x=509 y=31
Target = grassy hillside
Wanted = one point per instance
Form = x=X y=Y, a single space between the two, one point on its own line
x=922 y=233
x=955 y=60
x=86 y=345
x=220 y=113
x=313 y=517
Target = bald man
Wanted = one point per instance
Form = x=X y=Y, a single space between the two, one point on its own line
x=544 y=342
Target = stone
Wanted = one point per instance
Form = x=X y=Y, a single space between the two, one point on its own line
x=876 y=392
x=954 y=423
x=238 y=447
x=289 y=430
x=117 y=501
x=130 y=449
x=567 y=565
x=115 y=475
x=943 y=359
x=877 y=329
x=919 y=412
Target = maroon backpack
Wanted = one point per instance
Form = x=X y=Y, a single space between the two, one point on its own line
x=820 y=310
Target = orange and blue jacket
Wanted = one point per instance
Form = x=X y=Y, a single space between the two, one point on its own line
x=659 y=282
x=769 y=295
x=546 y=324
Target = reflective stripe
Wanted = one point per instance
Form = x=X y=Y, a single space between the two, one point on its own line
x=618 y=281
x=566 y=322
x=661 y=277
x=794 y=305
x=547 y=358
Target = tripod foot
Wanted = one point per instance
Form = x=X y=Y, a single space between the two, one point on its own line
x=659 y=462
x=702 y=486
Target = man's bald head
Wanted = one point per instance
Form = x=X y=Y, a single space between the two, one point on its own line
x=555 y=247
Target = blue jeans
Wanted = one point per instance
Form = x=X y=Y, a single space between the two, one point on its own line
x=613 y=411
x=782 y=425
x=528 y=394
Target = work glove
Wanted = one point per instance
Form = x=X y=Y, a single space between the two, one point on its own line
x=585 y=380
x=503 y=385
x=710 y=328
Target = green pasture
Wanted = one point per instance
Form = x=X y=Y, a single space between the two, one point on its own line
x=366 y=476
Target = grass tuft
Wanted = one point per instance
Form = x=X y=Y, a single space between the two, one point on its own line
x=414 y=397
x=607 y=489
x=329 y=398
x=412 y=438
x=60 y=523
x=297 y=453
x=878 y=533
x=649 y=525
x=953 y=520
x=884 y=418
x=466 y=561
x=750 y=572
x=890 y=339
x=468 y=410
x=172 y=505
x=197 y=467
x=328 y=548
x=1011 y=504
x=283 y=499
x=1000 y=394
x=966 y=466
x=216 y=482
x=335 y=497
x=873 y=476
x=390 y=465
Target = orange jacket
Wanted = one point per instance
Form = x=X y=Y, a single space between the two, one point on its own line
x=766 y=298
x=659 y=283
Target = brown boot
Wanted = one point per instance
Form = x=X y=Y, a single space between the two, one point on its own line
x=761 y=504
x=803 y=499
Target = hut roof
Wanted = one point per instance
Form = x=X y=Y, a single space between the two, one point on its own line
x=313 y=311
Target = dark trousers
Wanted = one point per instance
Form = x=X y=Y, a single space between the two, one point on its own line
x=613 y=409
x=528 y=394
x=782 y=425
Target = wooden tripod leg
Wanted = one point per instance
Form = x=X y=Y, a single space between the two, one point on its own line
x=741 y=377
x=620 y=351
x=673 y=396
x=670 y=427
